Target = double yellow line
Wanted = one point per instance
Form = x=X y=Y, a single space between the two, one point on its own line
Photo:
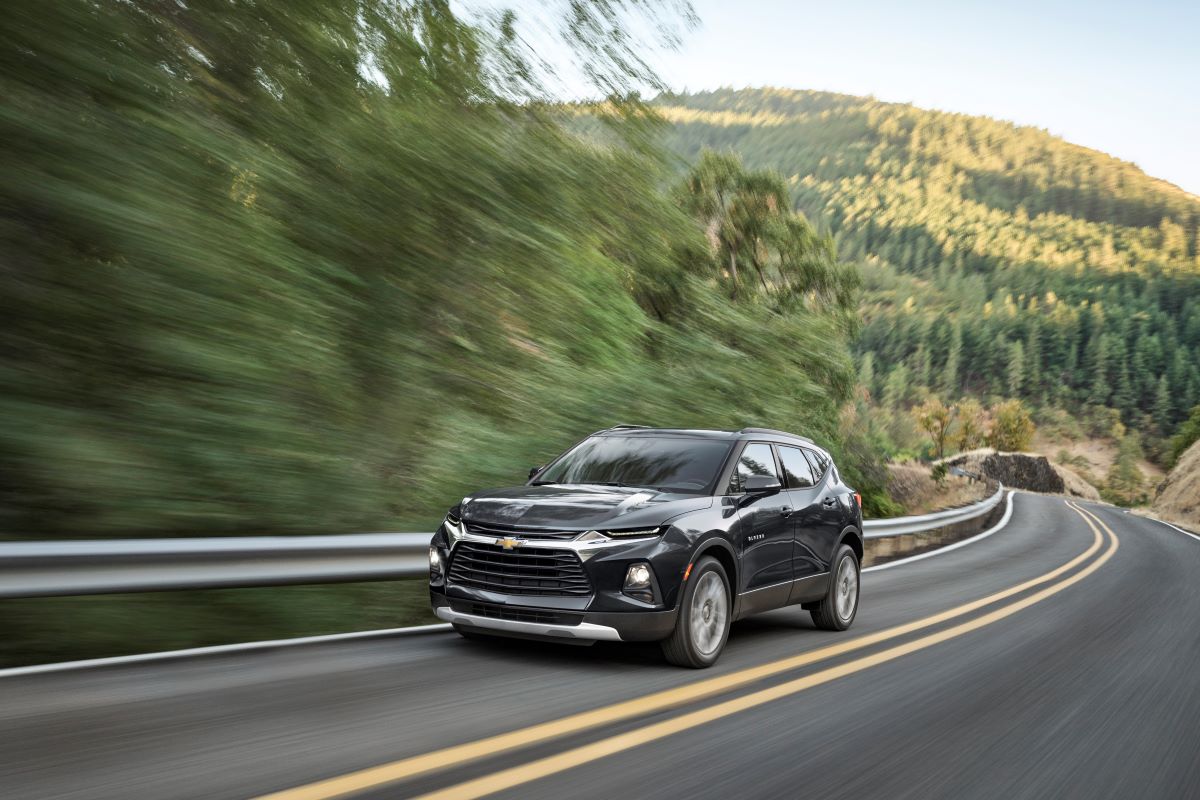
x=445 y=758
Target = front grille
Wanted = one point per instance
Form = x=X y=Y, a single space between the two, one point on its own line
x=515 y=613
x=522 y=570
x=524 y=533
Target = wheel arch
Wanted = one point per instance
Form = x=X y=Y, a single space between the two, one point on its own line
x=853 y=537
x=719 y=548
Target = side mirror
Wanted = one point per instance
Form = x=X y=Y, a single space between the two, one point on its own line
x=762 y=484
x=535 y=470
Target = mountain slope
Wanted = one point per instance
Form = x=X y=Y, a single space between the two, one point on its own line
x=999 y=259
x=1179 y=496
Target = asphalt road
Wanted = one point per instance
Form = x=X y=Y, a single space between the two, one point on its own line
x=1085 y=683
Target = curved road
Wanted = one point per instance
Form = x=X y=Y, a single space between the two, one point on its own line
x=1059 y=657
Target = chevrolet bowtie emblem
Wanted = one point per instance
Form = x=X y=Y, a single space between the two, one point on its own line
x=508 y=543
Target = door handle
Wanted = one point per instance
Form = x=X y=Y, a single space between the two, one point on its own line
x=829 y=502
x=786 y=511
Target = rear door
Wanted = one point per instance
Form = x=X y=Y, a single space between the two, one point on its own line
x=765 y=524
x=826 y=525
x=806 y=516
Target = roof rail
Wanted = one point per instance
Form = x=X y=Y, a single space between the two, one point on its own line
x=777 y=433
x=624 y=425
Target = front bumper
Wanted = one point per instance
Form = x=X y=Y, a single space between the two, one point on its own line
x=551 y=624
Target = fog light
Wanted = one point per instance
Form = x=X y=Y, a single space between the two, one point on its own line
x=638 y=583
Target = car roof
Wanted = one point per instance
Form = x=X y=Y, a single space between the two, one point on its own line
x=768 y=434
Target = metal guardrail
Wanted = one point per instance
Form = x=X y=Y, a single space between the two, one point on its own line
x=898 y=526
x=48 y=569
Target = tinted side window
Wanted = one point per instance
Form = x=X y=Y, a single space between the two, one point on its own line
x=756 y=459
x=819 y=463
x=796 y=467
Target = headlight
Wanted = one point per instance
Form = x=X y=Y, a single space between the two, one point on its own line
x=638 y=583
x=435 y=564
x=643 y=533
x=454 y=529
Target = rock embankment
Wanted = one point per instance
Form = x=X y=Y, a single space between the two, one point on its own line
x=1178 y=497
x=1030 y=471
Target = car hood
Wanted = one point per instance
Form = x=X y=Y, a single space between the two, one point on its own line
x=583 y=506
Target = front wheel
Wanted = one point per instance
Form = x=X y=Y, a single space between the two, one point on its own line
x=704 y=617
x=837 y=610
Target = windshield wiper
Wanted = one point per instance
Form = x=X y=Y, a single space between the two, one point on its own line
x=620 y=484
x=617 y=484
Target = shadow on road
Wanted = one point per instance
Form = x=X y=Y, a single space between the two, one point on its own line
x=642 y=654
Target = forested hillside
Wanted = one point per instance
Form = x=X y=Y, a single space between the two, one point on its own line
x=998 y=260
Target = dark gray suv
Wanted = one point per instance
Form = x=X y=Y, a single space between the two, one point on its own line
x=653 y=534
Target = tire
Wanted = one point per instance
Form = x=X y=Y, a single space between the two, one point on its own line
x=705 y=612
x=837 y=610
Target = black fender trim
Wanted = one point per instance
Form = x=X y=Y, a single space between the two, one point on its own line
x=719 y=542
x=852 y=536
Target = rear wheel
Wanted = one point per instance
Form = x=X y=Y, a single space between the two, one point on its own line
x=837 y=610
x=704 y=617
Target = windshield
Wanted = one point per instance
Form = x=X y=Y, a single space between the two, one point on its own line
x=668 y=464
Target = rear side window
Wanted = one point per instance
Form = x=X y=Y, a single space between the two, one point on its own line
x=756 y=459
x=796 y=467
x=819 y=463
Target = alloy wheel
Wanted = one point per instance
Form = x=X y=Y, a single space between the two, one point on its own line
x=710 y=607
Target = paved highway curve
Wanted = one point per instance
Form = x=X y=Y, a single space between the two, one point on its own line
x=1058 y=658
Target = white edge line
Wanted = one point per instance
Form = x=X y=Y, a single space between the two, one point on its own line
x=1111 y=507
x=1174 y=527
x=242 y=647
x=220 y=649
x=1008 y=500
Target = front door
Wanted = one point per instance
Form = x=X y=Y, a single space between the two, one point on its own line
x=765 y=524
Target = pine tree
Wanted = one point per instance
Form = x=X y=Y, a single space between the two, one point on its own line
x=1016 y=368
x=953 y=353
x=896 y=389
x=1098 y=367
x=1163 y=411
x=923 y=366
x=1033 y=357
x=1123 y=398
x=1125 y=483
x=1179 y=372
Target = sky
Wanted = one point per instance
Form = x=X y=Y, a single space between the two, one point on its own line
x=1121 y=78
